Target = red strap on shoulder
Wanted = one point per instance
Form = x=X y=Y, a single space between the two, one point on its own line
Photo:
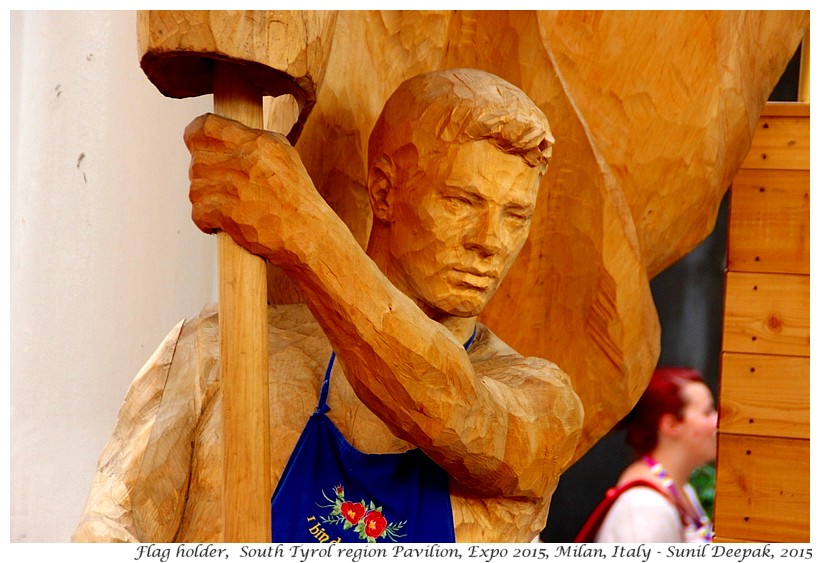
x=590 y=527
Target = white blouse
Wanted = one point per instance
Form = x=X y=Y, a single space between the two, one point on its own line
x=644 y=515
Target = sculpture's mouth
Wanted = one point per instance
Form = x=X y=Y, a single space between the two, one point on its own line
x=473 y=277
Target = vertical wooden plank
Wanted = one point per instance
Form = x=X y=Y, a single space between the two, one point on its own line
x=243 y=339
x=803 y=86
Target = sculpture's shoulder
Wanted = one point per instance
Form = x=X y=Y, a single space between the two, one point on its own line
x=297 y=347
x=147 y=457
x=196 y=359
x=183 y=375
x=494 y=358
x=290 y=324
x=540 y=405
x=202 y=331
x=292 y=329
x=185 y=359
x=530 y=388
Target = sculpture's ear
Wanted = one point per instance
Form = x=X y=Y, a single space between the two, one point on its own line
x=381 y=182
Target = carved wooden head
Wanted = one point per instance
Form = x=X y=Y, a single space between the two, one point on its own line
x=455 y=163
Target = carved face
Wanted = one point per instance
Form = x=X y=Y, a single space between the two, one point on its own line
x=457 y=226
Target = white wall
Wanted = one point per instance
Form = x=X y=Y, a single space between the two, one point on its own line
x=104 y=256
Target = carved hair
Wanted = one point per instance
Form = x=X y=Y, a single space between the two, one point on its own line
x=431 y=111
x=663 y=396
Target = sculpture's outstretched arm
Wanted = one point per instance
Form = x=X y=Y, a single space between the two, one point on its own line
x=405 y=367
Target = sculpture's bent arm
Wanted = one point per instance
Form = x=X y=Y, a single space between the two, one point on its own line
x=405 y=367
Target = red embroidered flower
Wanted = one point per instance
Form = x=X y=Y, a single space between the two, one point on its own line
x=374 y=524
x=352 y=511
x=364 y=519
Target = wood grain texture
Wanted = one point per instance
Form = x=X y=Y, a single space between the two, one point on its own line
x=243 y=349
x=452 y=209
x=780 y=143
x=787 y=109
x=638 y=171
x=282 y=52
x=167 y=486
x=804 y=84
x=762 y=488
x=451 y=217
x=767 y=314
x=635 y=180
x=239 y=56
x=769 y=227
x=765 y=395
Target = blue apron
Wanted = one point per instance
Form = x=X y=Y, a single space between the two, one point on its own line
x=332 y=492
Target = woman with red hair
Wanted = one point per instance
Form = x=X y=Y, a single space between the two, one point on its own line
x=672 y=429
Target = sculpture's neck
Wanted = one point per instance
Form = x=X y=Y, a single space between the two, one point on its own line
x=462 y=328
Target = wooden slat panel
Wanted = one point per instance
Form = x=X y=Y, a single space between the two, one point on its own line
x=780 y=142
x=766 y=314
x=769 y=222
x=790 y=109
x=763 y=488
x=764 y=395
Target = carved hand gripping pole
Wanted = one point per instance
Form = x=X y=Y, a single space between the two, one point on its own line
x=239 y=57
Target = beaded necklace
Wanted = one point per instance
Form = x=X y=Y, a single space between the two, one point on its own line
x=703 y=524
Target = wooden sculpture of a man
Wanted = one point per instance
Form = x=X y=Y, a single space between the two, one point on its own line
x=386 y=357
